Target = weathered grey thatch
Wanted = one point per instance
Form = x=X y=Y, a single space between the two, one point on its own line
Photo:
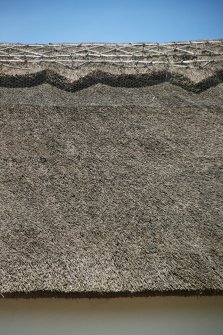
x=111 y=174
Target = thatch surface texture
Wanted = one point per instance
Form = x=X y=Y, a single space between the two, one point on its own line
x=111 y=190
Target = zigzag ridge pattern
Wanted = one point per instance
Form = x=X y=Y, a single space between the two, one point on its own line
x=121 y=80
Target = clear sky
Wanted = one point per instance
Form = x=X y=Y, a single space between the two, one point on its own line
x=45 y=21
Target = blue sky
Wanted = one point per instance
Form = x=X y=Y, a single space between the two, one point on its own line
x=39 y=21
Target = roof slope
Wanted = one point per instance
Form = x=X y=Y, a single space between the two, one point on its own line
x=111 y=190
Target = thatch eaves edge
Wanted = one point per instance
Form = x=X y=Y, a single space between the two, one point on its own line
x=110 y=294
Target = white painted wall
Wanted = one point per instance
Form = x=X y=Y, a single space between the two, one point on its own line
x=132 y=316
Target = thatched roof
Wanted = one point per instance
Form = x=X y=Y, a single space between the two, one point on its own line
x=111 y=172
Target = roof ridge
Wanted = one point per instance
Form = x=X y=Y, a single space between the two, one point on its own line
x=192 y=53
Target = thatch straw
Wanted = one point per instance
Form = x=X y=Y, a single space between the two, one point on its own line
x=111 y=191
